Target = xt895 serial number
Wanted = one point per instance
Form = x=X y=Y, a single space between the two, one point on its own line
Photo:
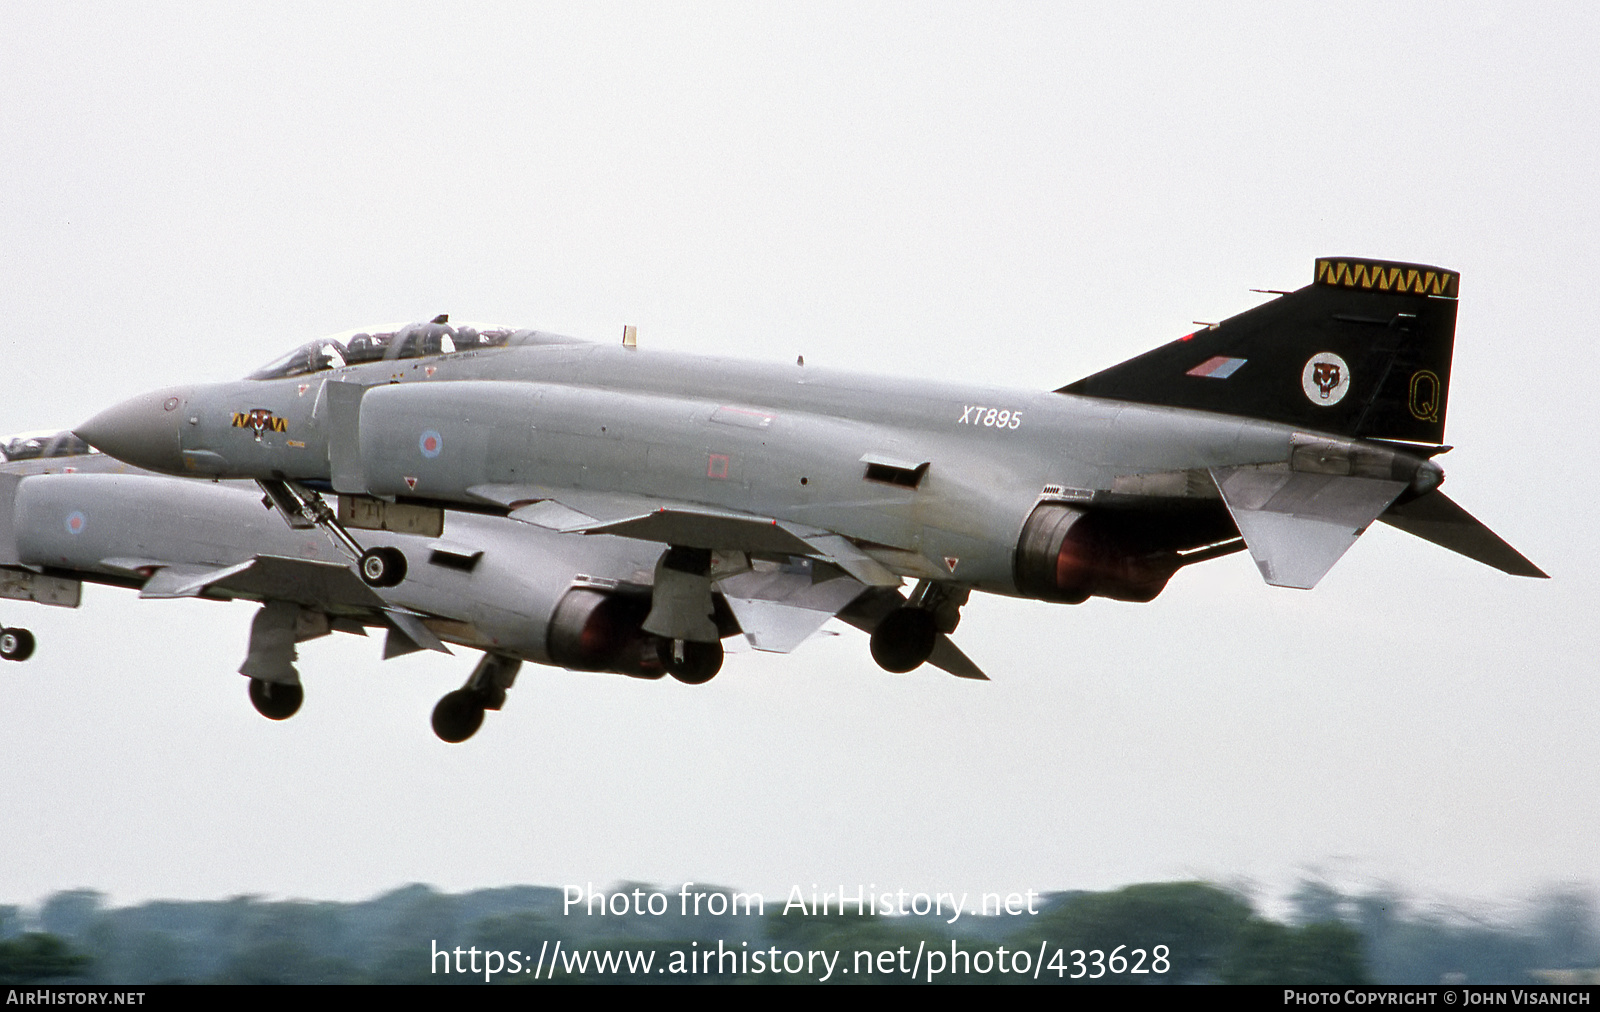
x=990 y=418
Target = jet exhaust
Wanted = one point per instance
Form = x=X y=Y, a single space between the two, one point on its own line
x=1069 y=556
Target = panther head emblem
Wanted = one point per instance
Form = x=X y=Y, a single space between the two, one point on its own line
x=1326 y=376
x=1325 y=379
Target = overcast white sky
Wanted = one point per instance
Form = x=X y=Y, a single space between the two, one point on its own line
x=1013 y=194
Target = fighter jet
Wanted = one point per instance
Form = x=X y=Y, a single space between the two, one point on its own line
x=32 y=453
x=517 y=593
x=1285 y=431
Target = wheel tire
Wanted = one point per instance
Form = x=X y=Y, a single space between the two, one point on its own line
x=700 y=663
x=275 y=700
x=382 y=567
x=16 y=644
x=458 y=716
x=904 y=639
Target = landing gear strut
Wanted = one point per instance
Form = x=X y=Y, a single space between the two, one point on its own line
x=303 y=509
x=16 y=644
x=682 y=614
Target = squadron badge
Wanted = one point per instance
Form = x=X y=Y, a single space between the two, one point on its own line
x=1326 y=379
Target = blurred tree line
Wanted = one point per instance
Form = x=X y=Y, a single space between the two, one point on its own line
x=1211 y=935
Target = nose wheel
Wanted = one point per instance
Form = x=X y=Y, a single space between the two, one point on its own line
x=16 y=644
x=382 y=567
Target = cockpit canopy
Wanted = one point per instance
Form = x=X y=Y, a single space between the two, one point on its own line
x=42 y=445
x=412 y=341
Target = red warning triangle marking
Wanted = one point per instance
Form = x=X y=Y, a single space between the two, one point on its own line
x=951 y=561
x=430 y=369
x=411 y=482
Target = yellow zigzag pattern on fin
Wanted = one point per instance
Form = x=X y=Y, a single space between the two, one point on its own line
x=1375 y=275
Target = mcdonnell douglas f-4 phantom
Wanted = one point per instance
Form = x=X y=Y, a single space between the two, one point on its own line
x=517 y=593
x=1285 y=431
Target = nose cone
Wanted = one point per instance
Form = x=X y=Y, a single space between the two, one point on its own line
x=143 y=431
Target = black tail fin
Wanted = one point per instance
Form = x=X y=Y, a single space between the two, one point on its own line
x=1364 y=350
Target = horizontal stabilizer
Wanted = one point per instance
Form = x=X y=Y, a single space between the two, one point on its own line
x=1296 y=524
x=1436 y=518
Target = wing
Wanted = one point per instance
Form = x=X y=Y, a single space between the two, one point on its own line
x=327 y=588
x=647 y=518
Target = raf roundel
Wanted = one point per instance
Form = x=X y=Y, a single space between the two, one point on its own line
x=76 y=521
x=1326 y=379
x=430 y=444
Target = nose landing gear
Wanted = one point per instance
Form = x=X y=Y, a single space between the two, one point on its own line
x=16 y=644
x=303 y=508
x=382 y=567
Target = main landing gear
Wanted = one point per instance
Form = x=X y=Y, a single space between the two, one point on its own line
x=905 y=638
x=690 y=661
x=303 y=509
x=683 y=616
x=459 y=714
x=275 y=700
x=16 y=644
x=275 y=689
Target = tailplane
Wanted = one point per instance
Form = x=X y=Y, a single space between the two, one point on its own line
x=1435 y=517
